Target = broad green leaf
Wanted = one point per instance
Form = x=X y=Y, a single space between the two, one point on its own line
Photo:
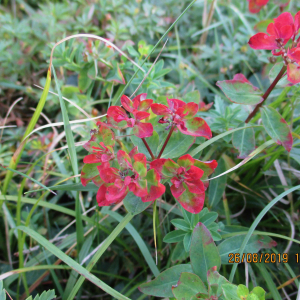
x=242 y=291
x=181 y=224
x=230 y=292
x=115 y=75
x=2 y=291
x=266 y=275
x=152 y=141
x=174 y=236
x=161 y=286
x=204 y=253
x=193 y=96
x=187 y=240
x=178 y=144
x=240 y=91
x=84 y=81
x=72 y=263
x=244 y=141
x=134 y=204
x=259 y=292
x=233 y=244
x=208 y=218
x=179 y=253
x=188 y=286
x=216 y=280
x=276 y=127
x=217 y=186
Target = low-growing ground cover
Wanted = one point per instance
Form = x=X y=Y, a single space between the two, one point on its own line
x=149 y=150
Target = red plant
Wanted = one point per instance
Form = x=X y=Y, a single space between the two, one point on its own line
x=137 y=108
x=118 y=174
x=185 y=176
x=256 y=5
x=284 y=29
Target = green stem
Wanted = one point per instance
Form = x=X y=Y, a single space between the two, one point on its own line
x=148 y=148
x=166 y=141
x=266 y=94
x=100 y=251
x=227 y=211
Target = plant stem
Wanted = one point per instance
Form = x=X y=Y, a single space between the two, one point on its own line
x=148 y=148
x=166 y=141
x=100 y=251
x=266 y=94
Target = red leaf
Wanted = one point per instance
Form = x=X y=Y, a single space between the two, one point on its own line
x=293 y=73
x=143 y=130
x=294 y=54
x=186 y=161
x=157 y=165
x=193 y=203
x=127 y=103
x=196 y=127
x=256 y=5
x=91 y=159
x=109 y=175
x=155 y=192
x=160 y=109
x=263 y=41
x=124 y=160
x=188 y=111
x=141 y=115
x=177 y=188
x=145 y=105
x=117 y=113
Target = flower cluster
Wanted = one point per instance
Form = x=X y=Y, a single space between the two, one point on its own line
x=116 y=173
x=284 y=29
x=185 y=176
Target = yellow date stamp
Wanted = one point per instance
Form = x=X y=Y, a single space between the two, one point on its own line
x=266 y=258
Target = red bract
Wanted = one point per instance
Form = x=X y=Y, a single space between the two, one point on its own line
x=256 y=5
x=137 y=108
x=182 y=115
x=284 y=28
x=132 y=175
x=185 y=176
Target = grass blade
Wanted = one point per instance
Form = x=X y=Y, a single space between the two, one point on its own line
x=72 y=263
x=73 y=159
x=256 y=222
x=17 y=155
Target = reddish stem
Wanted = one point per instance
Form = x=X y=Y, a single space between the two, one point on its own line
x=166 y=141
x=148 y=148
x=266 y=94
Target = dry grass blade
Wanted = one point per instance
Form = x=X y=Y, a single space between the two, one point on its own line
x=7 y=114
x=97 y=38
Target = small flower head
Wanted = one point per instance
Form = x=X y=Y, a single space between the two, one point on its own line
x=182 y=115
x=137 y=107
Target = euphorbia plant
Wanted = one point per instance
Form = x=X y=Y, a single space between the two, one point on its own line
x=118 y=172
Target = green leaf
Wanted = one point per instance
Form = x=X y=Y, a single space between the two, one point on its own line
x=174 y=236
x=83 y=80
x=208 y=218
x=115 y=75
x=193 y=96
x=188 y=286
x=259 y=292
x=204 y=253
x=181 y=224
x=134 y=204
x=242 y=291
x=187 y=241
x=49 y=295
x=242 y=92
x=216 y=280
x=72 y=263
x=152 y=141
x=161 y=286
x=266 y=275
x=244 y=141
x=178 y=144
x=217 y=186
x=276 y=127
x=233 y=244
x=2 y=291
x=230 y=292
x=179 y=253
